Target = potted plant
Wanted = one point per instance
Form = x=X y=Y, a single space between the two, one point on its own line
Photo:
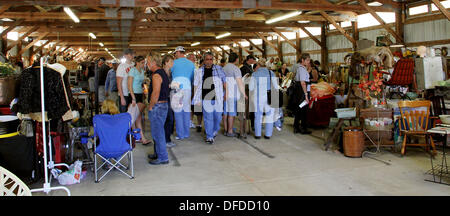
x=7 y=83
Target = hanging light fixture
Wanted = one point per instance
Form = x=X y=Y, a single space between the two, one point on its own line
x=195 y=44
x=223 y=35
x=92 y=35
x=101 y=44
x=283 y=17
x=71 y=14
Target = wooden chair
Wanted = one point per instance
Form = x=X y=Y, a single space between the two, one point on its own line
x=415 y=123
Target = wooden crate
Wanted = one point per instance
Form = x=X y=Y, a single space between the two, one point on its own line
x=386 y=136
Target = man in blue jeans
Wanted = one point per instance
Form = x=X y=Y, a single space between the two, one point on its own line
x=210 y=93
x=183 y=73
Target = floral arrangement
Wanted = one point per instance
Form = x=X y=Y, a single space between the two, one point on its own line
x=6 y=69
x=372 y=87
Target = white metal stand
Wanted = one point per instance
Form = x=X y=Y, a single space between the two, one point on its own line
x=47 y=188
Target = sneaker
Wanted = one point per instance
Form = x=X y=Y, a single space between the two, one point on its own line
x=257 y=137
x=178 y=138
x=243 y=135
x=152 y=156
x=170 y=144
x=158 y=162
x=278 y=128
x=192 y=125
x=266 y=137
x=230 y=134
x=210 y=141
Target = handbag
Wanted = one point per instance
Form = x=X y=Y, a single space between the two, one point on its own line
x=26 y=128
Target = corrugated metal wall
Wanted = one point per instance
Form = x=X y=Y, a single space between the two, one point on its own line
x=417 y=32
x=427 y=31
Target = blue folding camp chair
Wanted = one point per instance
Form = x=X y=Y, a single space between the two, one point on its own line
x=112 y=130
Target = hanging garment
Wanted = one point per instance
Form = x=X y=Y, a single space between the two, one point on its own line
x=30 y=93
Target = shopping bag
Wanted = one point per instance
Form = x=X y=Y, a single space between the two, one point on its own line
x=71 y=176
x=134 y=112
x=176 y=100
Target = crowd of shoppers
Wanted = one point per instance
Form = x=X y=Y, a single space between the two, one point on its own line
x=213 y=94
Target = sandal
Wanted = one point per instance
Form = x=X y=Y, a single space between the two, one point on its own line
x=147 y=142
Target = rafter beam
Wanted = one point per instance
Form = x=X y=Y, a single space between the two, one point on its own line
x=338 y=27
x=11 y=27
x=215 y=51
x=267 y=41
x=32 y=43
x=41 y=9
x=239 y=44
x=255 y=46
x=275 y=6
x=4 y=8
x=41 y=47
x=285 y=38
x=57 y=50
x=381 y=21
x=442 y=8
x=99 y=9
x=311 y=36
x=224 y=50
x=215 y=4
x=31 y=30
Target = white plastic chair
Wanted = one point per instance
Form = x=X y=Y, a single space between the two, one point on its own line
x=11 y=185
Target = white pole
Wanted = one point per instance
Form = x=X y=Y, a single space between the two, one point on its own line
x=46 y=187
x=44 y=136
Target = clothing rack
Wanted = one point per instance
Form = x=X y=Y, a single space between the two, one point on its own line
x=50 y=165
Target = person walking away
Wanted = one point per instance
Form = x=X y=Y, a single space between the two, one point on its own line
x=111 y=84
x=159 y=104
x=122 y=80
x=100 y=79
x=303 y=87
x=136 y=77
x=183 y=73
x=263 y=81
x=210 y=93
x=235 y=88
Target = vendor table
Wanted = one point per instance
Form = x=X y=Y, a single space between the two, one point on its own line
x=442 y=169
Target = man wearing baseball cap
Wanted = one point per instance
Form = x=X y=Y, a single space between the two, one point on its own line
x=122 y=80
x=183 y=73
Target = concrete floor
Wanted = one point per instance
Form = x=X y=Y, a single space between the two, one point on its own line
x=287 y=164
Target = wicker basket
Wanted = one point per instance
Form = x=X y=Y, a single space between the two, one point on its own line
x=353 y=142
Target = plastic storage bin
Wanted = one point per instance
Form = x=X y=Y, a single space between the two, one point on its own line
x=346 y=112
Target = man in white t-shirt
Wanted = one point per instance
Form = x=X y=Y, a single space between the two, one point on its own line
x=122 y=80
